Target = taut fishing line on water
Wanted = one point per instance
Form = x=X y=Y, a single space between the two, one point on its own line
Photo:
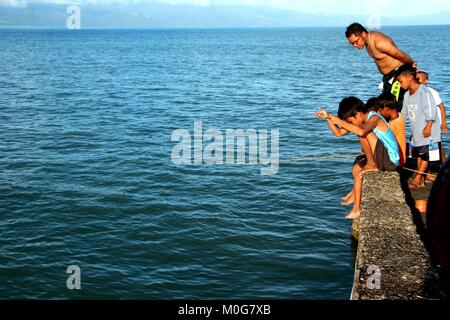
x=337 y=156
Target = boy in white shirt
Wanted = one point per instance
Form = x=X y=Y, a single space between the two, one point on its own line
x=422 y=76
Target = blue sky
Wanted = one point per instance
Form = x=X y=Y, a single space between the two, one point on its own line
x=387 y=8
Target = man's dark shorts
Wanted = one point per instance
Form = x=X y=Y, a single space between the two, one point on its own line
x=388 y=81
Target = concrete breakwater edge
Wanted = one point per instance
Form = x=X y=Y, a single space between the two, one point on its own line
x=393 y=261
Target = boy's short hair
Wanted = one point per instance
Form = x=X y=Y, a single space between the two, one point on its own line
x=356 y=29
x=406 y=69
x=350 y=106
x=371 y=104
x=424 y=73
x=386 y=99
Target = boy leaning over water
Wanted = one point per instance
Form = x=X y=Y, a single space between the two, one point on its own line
x=354 y=117
x=420 y=108
x=366 y=160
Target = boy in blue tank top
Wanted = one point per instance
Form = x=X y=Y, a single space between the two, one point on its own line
x=354 y=117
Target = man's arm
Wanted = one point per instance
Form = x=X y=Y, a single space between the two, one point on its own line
x=387 y=46
x=362 y=131
x=444 y=126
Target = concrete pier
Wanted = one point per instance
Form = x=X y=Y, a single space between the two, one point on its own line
x=392 y=259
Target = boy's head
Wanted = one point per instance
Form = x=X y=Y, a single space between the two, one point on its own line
x=371 y=104
x=406 y=75
x=386 y=103
x=352 y=110
x=422 y=77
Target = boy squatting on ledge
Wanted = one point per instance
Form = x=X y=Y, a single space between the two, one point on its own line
x=377 y=141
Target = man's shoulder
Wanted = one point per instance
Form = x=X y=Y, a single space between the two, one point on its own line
x=380 y=36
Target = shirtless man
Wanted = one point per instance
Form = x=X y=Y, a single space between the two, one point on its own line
x=385 y=53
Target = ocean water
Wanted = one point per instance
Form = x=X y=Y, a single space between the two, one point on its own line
x=86 y=119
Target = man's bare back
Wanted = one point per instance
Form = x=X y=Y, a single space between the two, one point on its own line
x=386 y=54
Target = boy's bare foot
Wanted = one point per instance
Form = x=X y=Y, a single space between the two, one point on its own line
x=354 y=214
x=348 y=196
x=348 y=202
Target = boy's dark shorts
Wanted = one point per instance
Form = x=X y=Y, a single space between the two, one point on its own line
x=361 y=160
x=381 y=157
x=422 y=152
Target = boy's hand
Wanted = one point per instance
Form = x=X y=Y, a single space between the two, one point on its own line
x=444 y=128
x=427 y=131
x=322 y=113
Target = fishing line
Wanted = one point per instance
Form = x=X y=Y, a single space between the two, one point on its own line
x=336 y=156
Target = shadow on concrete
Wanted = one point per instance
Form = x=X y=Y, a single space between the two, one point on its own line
x=433 y=231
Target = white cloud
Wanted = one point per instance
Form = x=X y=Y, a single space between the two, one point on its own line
x=13 y=3
x=201 y=3
x=399 y=8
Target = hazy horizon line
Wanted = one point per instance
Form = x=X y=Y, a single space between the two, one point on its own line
x=210 y=28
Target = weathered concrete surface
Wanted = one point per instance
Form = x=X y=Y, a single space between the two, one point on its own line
x=389 y=241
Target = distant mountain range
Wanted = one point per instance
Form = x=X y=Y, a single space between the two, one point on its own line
x=157 y=15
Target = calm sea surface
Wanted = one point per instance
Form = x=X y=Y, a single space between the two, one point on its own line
x=86 y=176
